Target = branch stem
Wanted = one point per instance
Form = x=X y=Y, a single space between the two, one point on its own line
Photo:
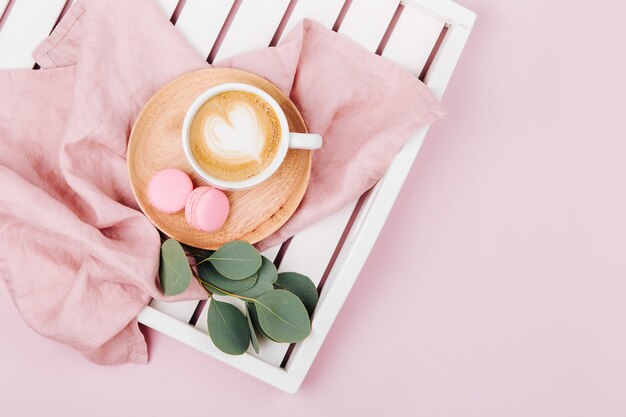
x=205 y=284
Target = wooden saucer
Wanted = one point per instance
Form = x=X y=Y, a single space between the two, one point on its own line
x=155 y=143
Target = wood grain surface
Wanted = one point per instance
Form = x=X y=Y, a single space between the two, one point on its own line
x=155 y=143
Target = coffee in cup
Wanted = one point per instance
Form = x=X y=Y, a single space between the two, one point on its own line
x=235 y=136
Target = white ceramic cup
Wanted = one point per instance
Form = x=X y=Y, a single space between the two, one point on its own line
x=288 y=140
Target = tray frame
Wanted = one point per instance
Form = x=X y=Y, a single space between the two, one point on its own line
x=23 y=23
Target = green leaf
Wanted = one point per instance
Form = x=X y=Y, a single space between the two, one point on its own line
x=255 y=341
x=267 y=276
x=228 y=328
x=197 y=252
x=255 y=319
x=174 y=270
x=209 y=274
x=282 y=316
x=212 y=289
x=236 y=260
x=301 y=286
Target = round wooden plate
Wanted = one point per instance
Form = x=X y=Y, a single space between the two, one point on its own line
x=155 y=143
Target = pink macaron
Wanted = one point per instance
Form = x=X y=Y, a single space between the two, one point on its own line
x=169 y=189
x=207 y=209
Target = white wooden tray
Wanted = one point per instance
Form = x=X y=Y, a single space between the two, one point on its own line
x=424 y=36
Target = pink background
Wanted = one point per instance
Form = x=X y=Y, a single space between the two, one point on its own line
x=497 y=287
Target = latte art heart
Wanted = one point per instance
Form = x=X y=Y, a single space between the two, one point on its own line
x=237 y=137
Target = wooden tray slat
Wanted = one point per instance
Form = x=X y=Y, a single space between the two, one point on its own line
x=168 y=6
x=3 y=6
x=307 y=255
x=28 y=23
x=322 y=11
x=201 y=21
x=180 y=310
x=367 y=20
x=253 y=27
x=412 y=39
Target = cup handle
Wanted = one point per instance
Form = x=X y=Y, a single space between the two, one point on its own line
x=304 y=141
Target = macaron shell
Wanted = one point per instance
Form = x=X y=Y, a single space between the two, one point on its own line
x=169 y=189
x=207 y=209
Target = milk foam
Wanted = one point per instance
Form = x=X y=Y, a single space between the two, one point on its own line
x=238 y=137
x=235 y=135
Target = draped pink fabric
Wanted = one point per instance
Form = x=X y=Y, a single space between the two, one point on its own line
x=77 y=256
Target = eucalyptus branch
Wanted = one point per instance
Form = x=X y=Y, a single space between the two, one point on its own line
x=277 y=305
x=230 y=294
x=202 y=261
x=197 y=277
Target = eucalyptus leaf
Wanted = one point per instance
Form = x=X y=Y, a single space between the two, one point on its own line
x=301 y=286
x=203 y=257
x=282 y=316
x=267 y=276
x=255 y=341
x=209 y=274
x=197 y=252
x=236 y=260
x=212 y=289
x=254 y=317
x=228 y=328
x=174 y=269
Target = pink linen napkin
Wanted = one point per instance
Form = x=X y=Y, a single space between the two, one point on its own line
x=77 y=256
